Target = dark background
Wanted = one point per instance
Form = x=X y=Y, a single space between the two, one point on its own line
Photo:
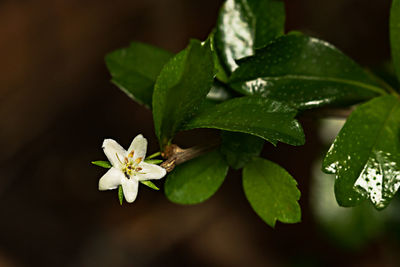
x=57 y=105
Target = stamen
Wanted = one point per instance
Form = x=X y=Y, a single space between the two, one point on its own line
x=138 y=160
x=131 y=154
x=138 y=169
x=116 y=154
x=126 y=160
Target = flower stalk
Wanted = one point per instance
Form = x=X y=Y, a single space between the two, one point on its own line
x=175 y=155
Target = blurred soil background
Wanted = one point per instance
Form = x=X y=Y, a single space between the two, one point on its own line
x=57 y=105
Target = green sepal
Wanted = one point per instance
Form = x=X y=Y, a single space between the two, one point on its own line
x=154 y=155
x=150 y=184
x=153 y=161
x=120 y=194
x=101 y=163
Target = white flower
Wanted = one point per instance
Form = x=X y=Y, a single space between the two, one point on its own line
x=128 y=167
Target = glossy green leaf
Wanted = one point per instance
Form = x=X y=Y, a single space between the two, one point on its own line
x=150 y=184
x=365 y=156
x=266 y=118
x=244 y=25
x=220 y=70
x=135 y=69
x=240 y=148
x=120 y=194
x=101 y=163
x=181 y=88
x=395 y=35
x=306 y=72
x=197 y=180
x=271 y=191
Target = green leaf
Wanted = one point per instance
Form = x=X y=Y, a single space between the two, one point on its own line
x=120 y=194
x=220 y=71
x=181 y=88
x=306 y=72
x=244 y=25
x=104 y=164
x=365 y=156
x=266 y=118
x=240 y=148
x=150 y=184
x=395 y=35
x=135 y=69
x=271 y=191
x=197 y=180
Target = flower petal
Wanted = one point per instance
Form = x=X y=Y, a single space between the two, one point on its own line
x=114 y=152
x=111 y=179
x=139 y=146
x=150 y=171
x=130 y=188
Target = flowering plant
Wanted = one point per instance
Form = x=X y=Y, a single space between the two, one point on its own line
x=251 y=81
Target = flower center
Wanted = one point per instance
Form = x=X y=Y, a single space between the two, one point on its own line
x=130 y=166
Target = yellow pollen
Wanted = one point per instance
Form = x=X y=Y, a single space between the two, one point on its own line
x=138 y=169
x=131 y=153
x=138 y=160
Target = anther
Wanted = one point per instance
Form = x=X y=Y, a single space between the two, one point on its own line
x=138 y=160
x=131 y=153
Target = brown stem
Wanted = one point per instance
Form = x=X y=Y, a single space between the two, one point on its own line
x=175 y=155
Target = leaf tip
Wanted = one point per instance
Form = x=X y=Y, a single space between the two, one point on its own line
x=272 y=223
